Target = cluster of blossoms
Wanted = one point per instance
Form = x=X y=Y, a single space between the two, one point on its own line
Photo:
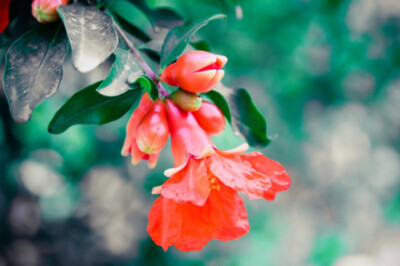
x=200 y=200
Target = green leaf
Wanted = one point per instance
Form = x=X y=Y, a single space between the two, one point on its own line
x=201 y=45
x=91 y=33
x=131 y=28
x=178 y=38
x=246 y=120
x=160 y=18
x=90 y=107
x=123 y=72
x=152 y=89
x=33 y=69
x=220 y=101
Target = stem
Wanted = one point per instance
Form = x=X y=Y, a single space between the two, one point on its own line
x=143 y=64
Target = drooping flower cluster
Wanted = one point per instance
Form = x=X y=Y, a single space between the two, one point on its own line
x=200 y=200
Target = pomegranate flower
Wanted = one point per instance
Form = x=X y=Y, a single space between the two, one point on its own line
x=45 y=11
x=146 y=132
x=199 y=201
x=195 y=71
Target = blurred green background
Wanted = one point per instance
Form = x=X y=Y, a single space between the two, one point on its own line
x=326 y=75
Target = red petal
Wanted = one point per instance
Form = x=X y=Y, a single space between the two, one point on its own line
x=4 y=4
x=280 y=179
x=228 y=213
x=239 y=175
x=165 y=222
x=186 y=226
x=189 y=184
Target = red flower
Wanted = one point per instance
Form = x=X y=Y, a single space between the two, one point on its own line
x=200 y=202
x=45 y=11
x=146 y=132
x=196 y=71
x=4 y=4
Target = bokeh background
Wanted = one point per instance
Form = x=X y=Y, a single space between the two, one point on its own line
x=326 y=75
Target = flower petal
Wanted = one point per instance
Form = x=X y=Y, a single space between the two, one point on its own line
x=239 y=175
x=235 y=151
x=228 y=213
x=186 y=226
x=189 y=184
x=280 y=179
x=165 y=222
x=197 y=229
x=143 y=108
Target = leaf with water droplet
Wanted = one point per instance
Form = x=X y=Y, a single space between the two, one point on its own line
x=91 y=33
x=123 y=72
x=33 y=69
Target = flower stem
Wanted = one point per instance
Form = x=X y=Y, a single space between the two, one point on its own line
x=143 y=64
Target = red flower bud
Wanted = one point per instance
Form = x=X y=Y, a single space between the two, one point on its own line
x=45 y=11
x=152 y=132
x=196 y=71
x=210 y=118
x=187 y=101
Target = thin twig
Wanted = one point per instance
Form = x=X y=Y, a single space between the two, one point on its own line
x=143 y=64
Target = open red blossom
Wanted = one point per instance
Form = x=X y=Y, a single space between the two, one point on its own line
x=205 y=181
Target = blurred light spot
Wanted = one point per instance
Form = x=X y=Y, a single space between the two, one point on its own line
x=238 y=12
x=24 y=216
x=116 y=211
x=40 y=179
x=23 y=253
x=360 y=17
x=61 y=205
x=359 y=84
x=356 y=260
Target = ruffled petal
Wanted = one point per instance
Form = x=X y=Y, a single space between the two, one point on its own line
x=197 y=228
x=165 y=222
x=280 y=179
x=186 y=226
x=239 y=175
x=228 y=213
x=189 y=184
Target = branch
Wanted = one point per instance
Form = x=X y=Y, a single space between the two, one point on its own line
x=143 y=64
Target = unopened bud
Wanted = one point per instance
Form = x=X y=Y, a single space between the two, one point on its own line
x=210 y=118
x=152 y=132
x=187 y=101
x=196 y=71
x=45 y=11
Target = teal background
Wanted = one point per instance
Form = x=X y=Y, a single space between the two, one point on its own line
x=325 y=73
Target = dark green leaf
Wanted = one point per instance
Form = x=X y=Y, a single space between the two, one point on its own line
x=246 y=120
x=160 y=18
x=91 y=33
x=33 y=69
x=220 y=101
x=90 y=107
x=201 y=45
x=178 y=38
x=152 y=90
x=132 y=29
x=153 y=55
x=123 y=72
